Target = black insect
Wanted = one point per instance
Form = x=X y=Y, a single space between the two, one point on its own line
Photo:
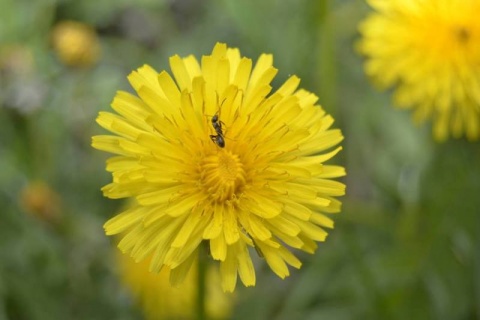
x=218 y=139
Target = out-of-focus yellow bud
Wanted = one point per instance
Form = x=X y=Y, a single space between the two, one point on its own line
x=76 y=44
x=39 y=200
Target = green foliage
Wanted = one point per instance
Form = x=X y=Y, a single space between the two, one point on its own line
x=406 y=245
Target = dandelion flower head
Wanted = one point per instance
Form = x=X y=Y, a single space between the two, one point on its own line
x=429 y=50
x=266 y=187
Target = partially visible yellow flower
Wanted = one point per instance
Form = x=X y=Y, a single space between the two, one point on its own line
x=429 y=50
x=211 y=156
x=76 y=44
x=159 y=300
x=41 y=201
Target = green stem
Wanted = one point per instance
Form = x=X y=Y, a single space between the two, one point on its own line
x=326 y=64
x=201 y=285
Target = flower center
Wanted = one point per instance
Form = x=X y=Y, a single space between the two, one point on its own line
x=222 y=175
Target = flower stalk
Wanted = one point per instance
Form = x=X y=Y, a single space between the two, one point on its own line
x=201 y=288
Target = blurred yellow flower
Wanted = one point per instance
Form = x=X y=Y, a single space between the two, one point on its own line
x=159 y=300
x=430 y=51
x=39 y=200
x=76 y=44
x=213 y=156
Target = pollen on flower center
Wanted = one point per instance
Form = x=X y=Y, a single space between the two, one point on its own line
x=222 y=175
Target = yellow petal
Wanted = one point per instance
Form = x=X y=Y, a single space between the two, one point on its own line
x=159 y=196
x=144 y=76
x=180 y=72
x=290 y=258
x=286 y=226
x=187 y=229
x=230 y=226
x=297 y=210
x=124 y=220
x=246 y=270
x=322 y=220
x=215 y=226
x=312 y=231
x=289 y=86
x=228 y=271
x=218 y=248
x=274 y=261
x=255 y=227
x=170 y=88
x=178 y=274
x=243 y=74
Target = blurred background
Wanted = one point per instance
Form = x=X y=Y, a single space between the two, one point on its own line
x=406 y=245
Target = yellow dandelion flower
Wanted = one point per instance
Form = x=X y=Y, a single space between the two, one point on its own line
x=75 y=43
x=211 y=156
x=430 y=51
x=159 y=300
